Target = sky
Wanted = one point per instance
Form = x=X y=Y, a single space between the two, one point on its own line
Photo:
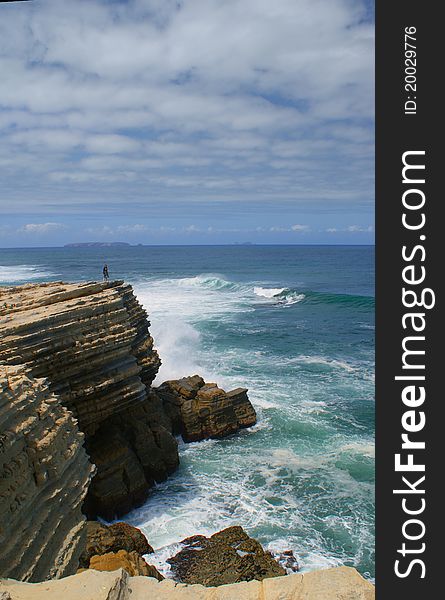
x=186 y=122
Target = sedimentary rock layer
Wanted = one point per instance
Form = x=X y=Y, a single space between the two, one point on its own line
x=341 y=583
x=90 y=340
x=92 y=343
x=44 y=474
x=200 y=410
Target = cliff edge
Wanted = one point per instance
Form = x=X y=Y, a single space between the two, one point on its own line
x=91 y=343
x=341 y=583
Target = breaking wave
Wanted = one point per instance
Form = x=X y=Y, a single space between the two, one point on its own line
x=20 y=273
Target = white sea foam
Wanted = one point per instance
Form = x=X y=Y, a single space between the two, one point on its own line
x=221 y=495
x=176 y=308
x=361 y=447
x=280 y=296
x=322 y=360
x=160 y=556
x=213 y=281
x=254 y=479
x=20 y=273
x=268 y=292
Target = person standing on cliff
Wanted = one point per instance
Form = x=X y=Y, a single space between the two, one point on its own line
x=105 y=272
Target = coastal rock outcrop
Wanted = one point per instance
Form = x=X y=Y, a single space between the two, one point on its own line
x=229 y=556
x=131 y=562
x=340 y=583
x=92 y=343
x=44 y=475
x=101 y=539
x=199 y=410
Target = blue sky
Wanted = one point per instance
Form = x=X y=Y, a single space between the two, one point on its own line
x=189 y=121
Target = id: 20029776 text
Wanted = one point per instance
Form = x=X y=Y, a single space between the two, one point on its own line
x=410 y=80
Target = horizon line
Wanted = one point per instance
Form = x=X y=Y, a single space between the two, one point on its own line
x=139 y=245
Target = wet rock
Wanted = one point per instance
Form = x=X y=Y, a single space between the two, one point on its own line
x=102 y=539
x=229 y=556
x=199 y=410
x=288 y=561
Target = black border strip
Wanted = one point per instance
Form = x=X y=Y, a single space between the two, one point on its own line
x=396 y=133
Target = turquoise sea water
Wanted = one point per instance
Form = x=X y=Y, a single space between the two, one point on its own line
x=295 y=325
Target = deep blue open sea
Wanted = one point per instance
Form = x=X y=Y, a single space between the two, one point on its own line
x=295 y=325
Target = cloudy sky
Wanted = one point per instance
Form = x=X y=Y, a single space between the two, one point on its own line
x=186 y=121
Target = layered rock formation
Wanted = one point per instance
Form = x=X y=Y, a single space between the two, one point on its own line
x=229 y=556
x=341 y=583
x=44 y=474
x=91 y=341
x=200 y=410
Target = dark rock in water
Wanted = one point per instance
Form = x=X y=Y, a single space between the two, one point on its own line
x=199 y=410
x=131 y=562
x=288 y=561
x=131 y=451
x=102 y=539
x=229 y=556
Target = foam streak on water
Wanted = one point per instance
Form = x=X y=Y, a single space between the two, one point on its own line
x=22 y=273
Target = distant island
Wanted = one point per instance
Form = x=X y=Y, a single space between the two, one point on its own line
x=96 y=245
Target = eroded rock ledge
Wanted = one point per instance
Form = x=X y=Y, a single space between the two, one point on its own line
x=200 y=410
x=341 y=583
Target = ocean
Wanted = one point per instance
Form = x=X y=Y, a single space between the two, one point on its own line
x=293 y=324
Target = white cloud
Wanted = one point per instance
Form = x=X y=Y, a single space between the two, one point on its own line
x=292 y=228
x=158 y=100
x=359 y=229
x=42 y=228
x=351 y=229
x=137 y=228
x=192 y=229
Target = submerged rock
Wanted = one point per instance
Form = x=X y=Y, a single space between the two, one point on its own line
x=288 y=561
x=131 y=562
x=229 y=556
x=102 y=539
x=200 y=410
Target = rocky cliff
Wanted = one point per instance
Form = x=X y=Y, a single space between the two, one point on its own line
x=44 y=474
x=80 y=357
x=341 y=583
x=199 y=410
x=92 y=343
